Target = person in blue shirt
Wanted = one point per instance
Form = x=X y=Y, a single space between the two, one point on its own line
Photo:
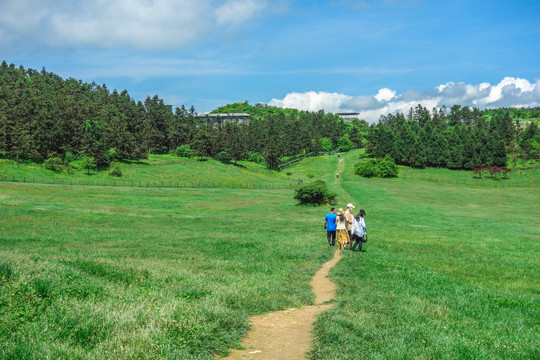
x=330 y=226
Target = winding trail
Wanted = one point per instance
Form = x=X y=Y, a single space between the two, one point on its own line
x=286 y=335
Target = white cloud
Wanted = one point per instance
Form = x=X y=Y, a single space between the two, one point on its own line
x=313 y=101
x=385 y=94
x=143 y=24
x=509 y=92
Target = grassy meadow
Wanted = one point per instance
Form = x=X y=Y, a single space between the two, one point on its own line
x=450 y=271
x=156 y=171
x=93 y=272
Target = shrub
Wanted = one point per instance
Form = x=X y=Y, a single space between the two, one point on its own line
x=310 y=176
x=494 y=171
x=184 y=151
x=387 y=167
x=88 y=163
x=289 y=173
x=115 y=171
x=369 y=168
x=506 y=170
x=478 y=172
x=255 y=157
x=202 y=158
x=366 y=168
x=224 y=157
x=316 y=193
x=54 y=164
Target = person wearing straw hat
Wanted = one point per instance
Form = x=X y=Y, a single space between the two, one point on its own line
x=341 y=228
x=349 y=216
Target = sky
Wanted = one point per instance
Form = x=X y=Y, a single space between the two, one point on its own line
x=368 y=56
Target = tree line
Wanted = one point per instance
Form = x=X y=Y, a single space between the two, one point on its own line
x=43 y=116
x=455 y=138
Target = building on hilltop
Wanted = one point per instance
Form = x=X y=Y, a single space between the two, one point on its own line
x=236 y=118
x=348 y=116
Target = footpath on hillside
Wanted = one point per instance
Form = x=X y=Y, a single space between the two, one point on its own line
x=286 y=335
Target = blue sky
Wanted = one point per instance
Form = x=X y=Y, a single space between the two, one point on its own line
x=370 y=56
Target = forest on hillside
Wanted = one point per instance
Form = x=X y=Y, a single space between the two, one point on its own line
x=458 y=138
x=44 y=116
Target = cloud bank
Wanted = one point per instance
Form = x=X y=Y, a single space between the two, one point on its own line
x=510 y=91
x=143 y=24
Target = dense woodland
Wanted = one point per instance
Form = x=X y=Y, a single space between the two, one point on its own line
x=458 y=138
x=43 y=116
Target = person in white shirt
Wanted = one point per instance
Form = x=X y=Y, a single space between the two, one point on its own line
x=359 y=230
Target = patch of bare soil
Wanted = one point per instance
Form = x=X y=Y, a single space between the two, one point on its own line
x=286 y=334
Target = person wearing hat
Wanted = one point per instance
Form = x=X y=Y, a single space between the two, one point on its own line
x=359 y=230
x=341 y=226
x=349 y=216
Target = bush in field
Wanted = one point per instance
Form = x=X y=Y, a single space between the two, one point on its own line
x=115 y=170
x=505 y=170
x=493 y=172
x=255 y=157
x=316 y=193
x=369 y=168
x=184 y=151
x=54 y=164
x=478 y=172
x=88 y=163
x=387 y=167
x=224 y=157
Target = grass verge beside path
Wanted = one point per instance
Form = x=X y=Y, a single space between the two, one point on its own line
x=449 y=272
x=93 y=273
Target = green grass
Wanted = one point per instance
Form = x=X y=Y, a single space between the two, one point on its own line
x=92 y=273
x=158 y=170
x=515 y=178
x=450 y=270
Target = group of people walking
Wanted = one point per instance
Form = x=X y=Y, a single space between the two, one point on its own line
x=349 y=229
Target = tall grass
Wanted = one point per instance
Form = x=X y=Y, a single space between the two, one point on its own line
x=450 y=271
x=95 y=273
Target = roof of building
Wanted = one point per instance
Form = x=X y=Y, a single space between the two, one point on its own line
x=229 y=115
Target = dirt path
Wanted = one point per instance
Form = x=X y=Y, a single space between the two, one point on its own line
x=286 y=335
